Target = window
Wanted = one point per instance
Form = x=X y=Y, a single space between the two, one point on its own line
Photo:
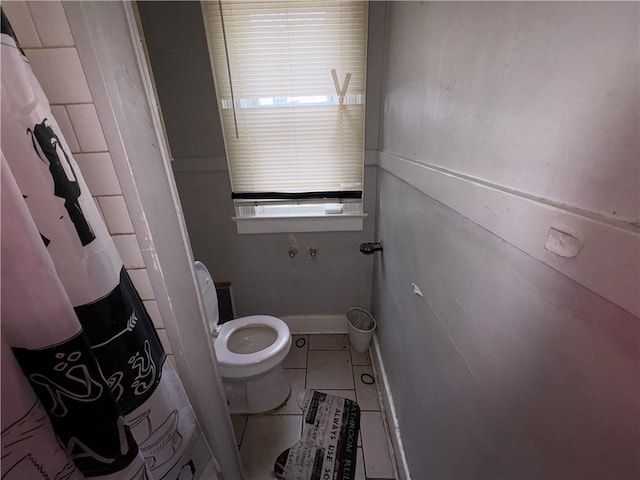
x=290 y=79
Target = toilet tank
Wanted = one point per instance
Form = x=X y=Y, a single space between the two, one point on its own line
x=209 y=296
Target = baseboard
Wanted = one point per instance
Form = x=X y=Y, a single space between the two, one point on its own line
x=299 y=324
x=389 y=412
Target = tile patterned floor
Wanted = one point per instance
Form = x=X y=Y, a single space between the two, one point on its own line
x=325 y=363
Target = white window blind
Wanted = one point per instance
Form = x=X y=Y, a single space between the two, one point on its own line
x=290 y=79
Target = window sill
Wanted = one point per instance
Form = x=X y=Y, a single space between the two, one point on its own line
x=327 y=223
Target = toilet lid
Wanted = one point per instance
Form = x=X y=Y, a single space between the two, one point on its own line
x=229 y=358
x=209 y=295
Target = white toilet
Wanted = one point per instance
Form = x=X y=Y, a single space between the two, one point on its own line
x=250 y=351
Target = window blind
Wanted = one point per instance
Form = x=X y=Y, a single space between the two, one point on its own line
x=290 y=79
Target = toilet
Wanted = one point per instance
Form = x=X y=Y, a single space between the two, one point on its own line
x=250 y=351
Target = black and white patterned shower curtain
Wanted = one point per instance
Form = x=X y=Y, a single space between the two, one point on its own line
x=86 y=386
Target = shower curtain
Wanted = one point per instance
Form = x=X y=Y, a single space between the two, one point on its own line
x=87 y=390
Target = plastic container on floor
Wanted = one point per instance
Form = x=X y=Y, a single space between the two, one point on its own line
x=361 y=326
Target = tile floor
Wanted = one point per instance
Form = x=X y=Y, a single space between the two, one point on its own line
x=325 y=363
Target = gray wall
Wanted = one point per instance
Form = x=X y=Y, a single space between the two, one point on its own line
x=507 y=368
x=265 y=280
x=179 y=56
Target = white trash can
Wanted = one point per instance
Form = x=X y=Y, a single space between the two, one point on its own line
x=361 y=326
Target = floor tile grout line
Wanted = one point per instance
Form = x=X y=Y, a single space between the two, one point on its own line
x=244 y=429
x=328 y=349
x=306 y=374
x=353 y=375
x=355 y=393
x=306 y=361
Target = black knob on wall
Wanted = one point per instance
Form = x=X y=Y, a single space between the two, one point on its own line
x=371 y=248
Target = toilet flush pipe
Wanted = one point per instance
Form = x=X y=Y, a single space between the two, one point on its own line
x=293 y=246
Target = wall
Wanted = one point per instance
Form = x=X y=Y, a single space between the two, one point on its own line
x=112 y=54
x=45 y=36
x=265 y=280
x=499 y=121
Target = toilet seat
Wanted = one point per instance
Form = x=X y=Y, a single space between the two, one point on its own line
x=239 y=365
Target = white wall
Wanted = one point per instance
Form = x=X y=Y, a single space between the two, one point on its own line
x=501 y=120
x=541 y=100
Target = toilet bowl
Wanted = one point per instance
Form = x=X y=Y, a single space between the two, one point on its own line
x=249 y=351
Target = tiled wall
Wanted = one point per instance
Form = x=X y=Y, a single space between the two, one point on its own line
x=43 y=32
